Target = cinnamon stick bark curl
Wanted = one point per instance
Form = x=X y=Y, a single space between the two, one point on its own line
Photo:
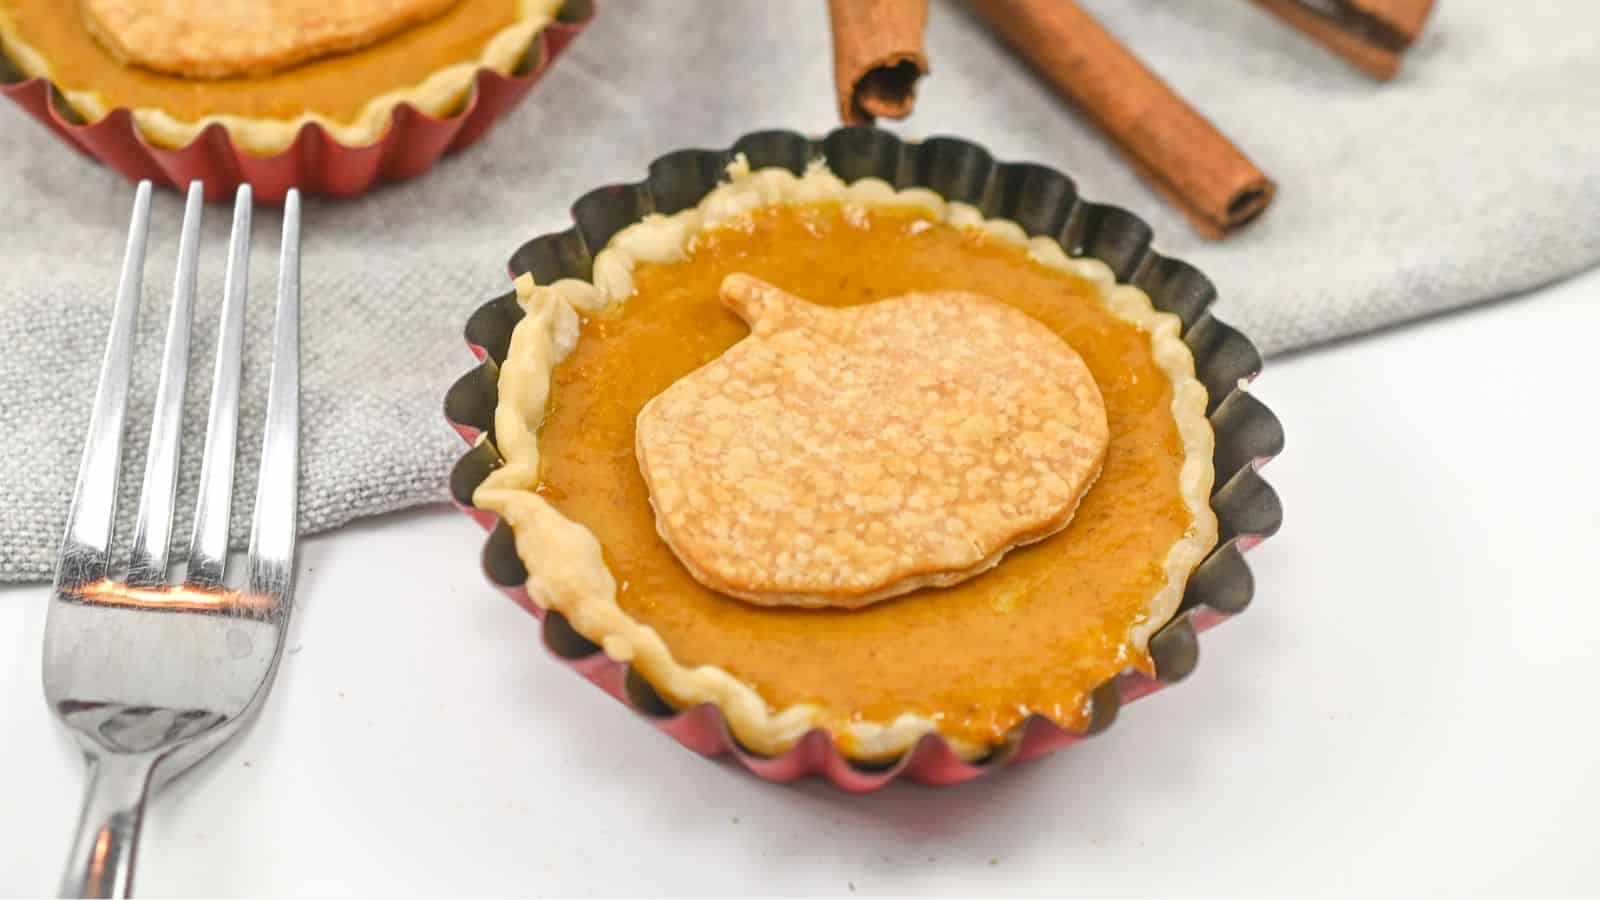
x=877 y=57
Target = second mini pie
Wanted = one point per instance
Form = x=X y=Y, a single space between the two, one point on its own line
x=1062 y=593
x=181 y=65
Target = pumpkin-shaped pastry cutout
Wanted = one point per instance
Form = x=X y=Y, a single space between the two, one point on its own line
x=838 y=457
x=228 y=38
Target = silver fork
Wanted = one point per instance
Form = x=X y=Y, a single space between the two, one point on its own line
x=150 y=674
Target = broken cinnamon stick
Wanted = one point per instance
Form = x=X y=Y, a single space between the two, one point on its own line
x=1173 y=146
x=1369 y=34
x=877 y=57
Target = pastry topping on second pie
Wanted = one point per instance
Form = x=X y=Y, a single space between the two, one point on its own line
x=837 y=457
x=225 y=38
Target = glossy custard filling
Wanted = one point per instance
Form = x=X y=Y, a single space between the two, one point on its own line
x=1035 y=634
x=337 y=86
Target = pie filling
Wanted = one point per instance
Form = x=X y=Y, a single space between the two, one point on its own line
x=1035 y=634
x=338 y=87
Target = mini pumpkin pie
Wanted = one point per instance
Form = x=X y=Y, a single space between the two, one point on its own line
x=835 y=456
x=266 y=68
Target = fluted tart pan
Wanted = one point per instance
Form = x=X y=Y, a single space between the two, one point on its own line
x=1044 y=202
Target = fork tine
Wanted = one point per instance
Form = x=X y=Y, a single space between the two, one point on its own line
x=208 y=548
x=85 y=546
x=152 y=535
x=272 y=534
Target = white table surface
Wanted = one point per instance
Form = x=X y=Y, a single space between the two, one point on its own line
x=1409 y=706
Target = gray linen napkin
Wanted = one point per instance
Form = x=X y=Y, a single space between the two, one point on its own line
x=1475 y=174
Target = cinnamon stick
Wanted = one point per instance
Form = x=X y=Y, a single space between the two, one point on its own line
x=877 y=57
x=1394 y=22
x=1369 y=34
x=1173 y=146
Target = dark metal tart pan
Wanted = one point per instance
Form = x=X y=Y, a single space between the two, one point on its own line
x=1044 y=202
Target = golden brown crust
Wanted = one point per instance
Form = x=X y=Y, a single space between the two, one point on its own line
x=230 y=38
x=566 y=567
x=838 y=457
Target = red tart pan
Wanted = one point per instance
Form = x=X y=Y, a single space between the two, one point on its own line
x=315 y=162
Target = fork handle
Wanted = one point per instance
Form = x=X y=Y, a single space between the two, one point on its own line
x=101 y=864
